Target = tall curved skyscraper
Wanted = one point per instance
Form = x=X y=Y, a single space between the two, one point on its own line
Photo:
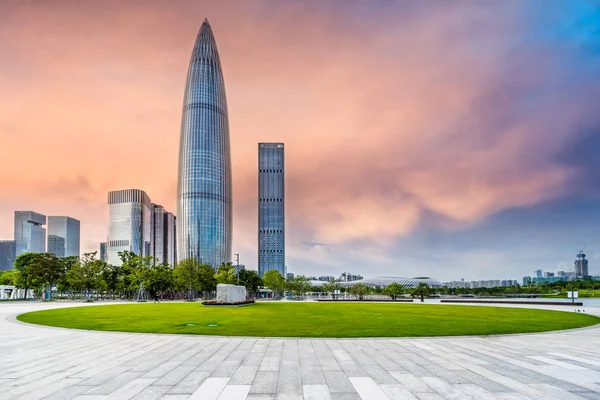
x=204 y=222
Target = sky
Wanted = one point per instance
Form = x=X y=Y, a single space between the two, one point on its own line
x=450 y=139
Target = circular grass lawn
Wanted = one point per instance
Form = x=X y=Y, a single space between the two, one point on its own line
x=310 y=319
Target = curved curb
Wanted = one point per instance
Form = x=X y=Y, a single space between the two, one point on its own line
x=13 y=319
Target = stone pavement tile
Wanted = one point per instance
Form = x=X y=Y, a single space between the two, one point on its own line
x=132 y=388
x=477 y=392
x=379 y=375
x=589 y=395
x=260 y=396
x=151 y=392
x=316 y=392
x=253 y=359
x=351 y=368
x=338 y=382
x=483 y=382
x=289 y=396
x=102 y=377
x=244 y=375
x=210 y=390
x=289 y=380
x=397 y=392
x=345 y=396
x=190 y=383
x=562 y=364
x=226 y=369
x=512 y=396
x=430 y=396
x=583 y=360
x=449 y=376
x=367 y=389
x=113 y=384
x=161 y=370
x=67 y=393
x=311 y=375
x=175 y=397
x=411 y=382
x=264 y=382
x=175 y=375
x=446 y=389
x=558 y=392
x=270 y=364
x=234 y=392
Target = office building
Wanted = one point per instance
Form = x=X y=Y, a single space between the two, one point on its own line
x=538 y=273
x=271 y=208
x=130 y=224
x=348 y=277
x=581 y=265
x=527 y=281
x=29 y=229
x=204 y=203
x=9 y=251
x=326 y=278
x=163 y=236
x=562 y=274
x=103 y=247
x=68 y=229
x=548 y=274
x=56 y=245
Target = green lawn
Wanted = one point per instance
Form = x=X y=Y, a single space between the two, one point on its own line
x=311 y=319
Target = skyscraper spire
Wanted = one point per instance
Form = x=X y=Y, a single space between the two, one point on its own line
x=204 y=201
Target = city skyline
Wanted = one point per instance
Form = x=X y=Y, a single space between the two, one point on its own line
x=502 y=179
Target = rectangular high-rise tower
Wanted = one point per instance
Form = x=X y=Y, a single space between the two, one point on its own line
x=29 y=229
x=163 y=236
x=271 y=208
x=63 y=236
x=130 y=224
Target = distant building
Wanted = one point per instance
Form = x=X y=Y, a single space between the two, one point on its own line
x=548 y=274
x=527 y=281
x=289 y=276
x=348 y=277
x=561 y=273
x=56 y=245
x=551 y=279
x=103 y=248
x=326 y=278
x=130 y=224
x=490 y=283
x=69 y=230
x=538 y=273
x=9 y=251
x=163 y=236
x=271 y=208
x=29 y=229
x=581 y=265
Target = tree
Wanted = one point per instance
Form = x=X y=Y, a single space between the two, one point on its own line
x=299 y=285
x=226 y=274
x=87 y=274
x=359 y=290
x=251 y=280
x=27 y=277
x=331 y=287
x=161 y=278
x=189 y=275
x=393 y=290
x=47 y=269
x=274 y=281
x=9 y=277
x=111 y=274
x=422 y=290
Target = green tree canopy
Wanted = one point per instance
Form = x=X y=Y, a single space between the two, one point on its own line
x=226 y=274
x=161 y=278
x=251 y=280
x=9 y=277
x=359 y=290
x=393 y=290
x=274 y=281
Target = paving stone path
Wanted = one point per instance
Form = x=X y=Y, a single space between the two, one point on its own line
x=50 y=363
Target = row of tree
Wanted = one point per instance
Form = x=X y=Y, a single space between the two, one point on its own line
x=89 y=275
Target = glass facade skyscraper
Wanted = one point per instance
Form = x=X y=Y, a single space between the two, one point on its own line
x=204 y=202
x=68 y=229
x=130 y=224
x=29 y=229
x=163 y=234
x=9 y=250
x=271 y=208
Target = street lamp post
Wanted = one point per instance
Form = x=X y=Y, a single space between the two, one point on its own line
x=237 y=266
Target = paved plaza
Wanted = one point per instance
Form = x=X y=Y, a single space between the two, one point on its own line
x=51 y=363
